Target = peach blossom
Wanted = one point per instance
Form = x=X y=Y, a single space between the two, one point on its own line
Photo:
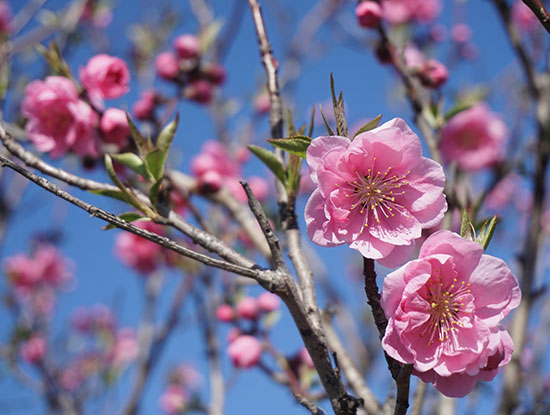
x=114 y=126
x=245 y=351
x=105 y=77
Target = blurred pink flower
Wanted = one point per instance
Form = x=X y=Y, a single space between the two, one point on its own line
x=70 y=378
x=143 y=108
x=402 y=11
x=444 y=311
x=54 y=268
x=34 y=349
x=225 y=313
x=474 y=138
x=305 y=358
x=375 y=193
x=524 y=17
x=114 y=126
x=504 y=192
x=167 y=65
x=413 y=56
x=248 y=308
x=174 y=399
x=432 y=73
x=125 y=349
x=461 y=33
x=262 y=103
x=200 y=91
x=23 y=272
x=137 y=252
x=245 y=351
x=187 y=46
x=105 y=77
x=58 y=120
x=369 y=14
x=5 y=17
x=215 y=73
x=268 y=302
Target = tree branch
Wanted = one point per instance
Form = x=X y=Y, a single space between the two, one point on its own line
x=539 y=10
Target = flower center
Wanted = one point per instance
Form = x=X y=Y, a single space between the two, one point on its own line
x=375 y=193
x=448 y=307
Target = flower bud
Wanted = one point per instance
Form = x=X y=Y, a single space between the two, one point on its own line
x=167 y=65
x=187 y=46
x=369 y=14
x=200 y=91
x=114 y=126
x=225 y=313
x=245 y=351
x=268 y=302
x=248 y=308
x=433 y=74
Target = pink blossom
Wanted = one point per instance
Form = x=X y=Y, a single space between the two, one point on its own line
x=23 y=272
x=174 y=399
x=200 y=91
x=461 y=33
x=305 y=358
x=413 y=57
x=432 y=73
x=375 y=193
x=225 y=313
x=262 y=103
x=369 y=14
x=144 y=107
x=268 y=302
x=137 y=252
x=70 y=378
x=125 y=349
x=474 y=138
x=105 y=77
x=34 y=349
x=167 y=65
x=53 y=267
x=215 y=73
x=444 y=311
x=187 y=46
x=57 y=120
x=214 y=157
x=114 y=126
x=245 y=351
x=402 y=11
x=103 y=318
x=5 y=17
x=81 y=320
x=248 y=308
x=523 y=16
x=505 y=191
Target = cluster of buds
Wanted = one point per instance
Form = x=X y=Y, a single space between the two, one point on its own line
x=185 y=67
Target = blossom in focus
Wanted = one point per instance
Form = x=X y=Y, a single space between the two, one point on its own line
x=402 y=11
x=58 y=121
x=174 y=399
x=105 y=77
x=114 y=126
x=375 y=193
x=245 y=351
x=523 y=16
x=139 y=253
x=474 y=138
x=444 y=312
x=34 y=349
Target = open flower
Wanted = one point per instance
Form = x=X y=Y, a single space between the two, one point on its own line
x=444 y=311
x=375 y=193
x=474 y=138
x=105 y=77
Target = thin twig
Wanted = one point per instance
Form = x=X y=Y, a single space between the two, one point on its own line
x=540 y=11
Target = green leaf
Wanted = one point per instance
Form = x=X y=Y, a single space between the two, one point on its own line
x=154 y=192
x=155 y=161
x=115 y=194
x=128 y=217
x=133 y=162
x=290 y=122
x=293 y=169
x=143 y=145
x=166 y=136
x=368 y=126
x=129 y=198
x=295 y=145
x=272 y=162
x=338 y=106
x=156 y=158
x=487 y=231
x=467 y=230
x=329 y=130
x=458 y=108
x=311 y=122
x=208 y=36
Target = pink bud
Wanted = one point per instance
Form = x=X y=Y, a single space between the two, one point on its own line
x=461 y=33
x=369 y=14
x=245 y=351
x=262 y=103
x=105 y=76
x=34 y=349
x=187 y=46
x=114 y=126
x=248 y=308
x=143 y=108
x=5 y=17
x=167 y=65
x=210 y=182
x=268 y=302
x=433 y=74
x=215 y=73
x=200 y=91
x=225 y=313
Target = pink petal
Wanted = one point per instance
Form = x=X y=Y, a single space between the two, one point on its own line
x=318 y=149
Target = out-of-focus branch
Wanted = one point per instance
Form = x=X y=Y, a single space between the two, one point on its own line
x=540 y=11
x=120 y=223
x=418 y=399
x=350 y=370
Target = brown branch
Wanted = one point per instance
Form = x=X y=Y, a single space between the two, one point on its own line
x=122 y=224
x=539 y=10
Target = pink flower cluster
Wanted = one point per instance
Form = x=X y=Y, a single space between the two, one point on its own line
x=184 y=67
x=60 y=121
x=140 y=253
x=375 y=193
x=444 y=312
x=215 y=168
x=474 y=138
x=403 y=11
x=184 y=380
x=34 y=349
x=249 y=308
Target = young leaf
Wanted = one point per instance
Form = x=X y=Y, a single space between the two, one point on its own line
x=166 y=136
x=293 y=168
x=329 y=130
x=155 y=162
x=129 y=198
x=487 y=231
x=115 y=194
x=290 y=122
x=133 y=162
x=143 y=145
x=272 y=162
x=156 y=159
x=295 y=145
x=466 y=227
x=311 y=122
x=128 y=217
x=154 y=192
x=208 y=36
x=338 y=107
x=368 y=126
